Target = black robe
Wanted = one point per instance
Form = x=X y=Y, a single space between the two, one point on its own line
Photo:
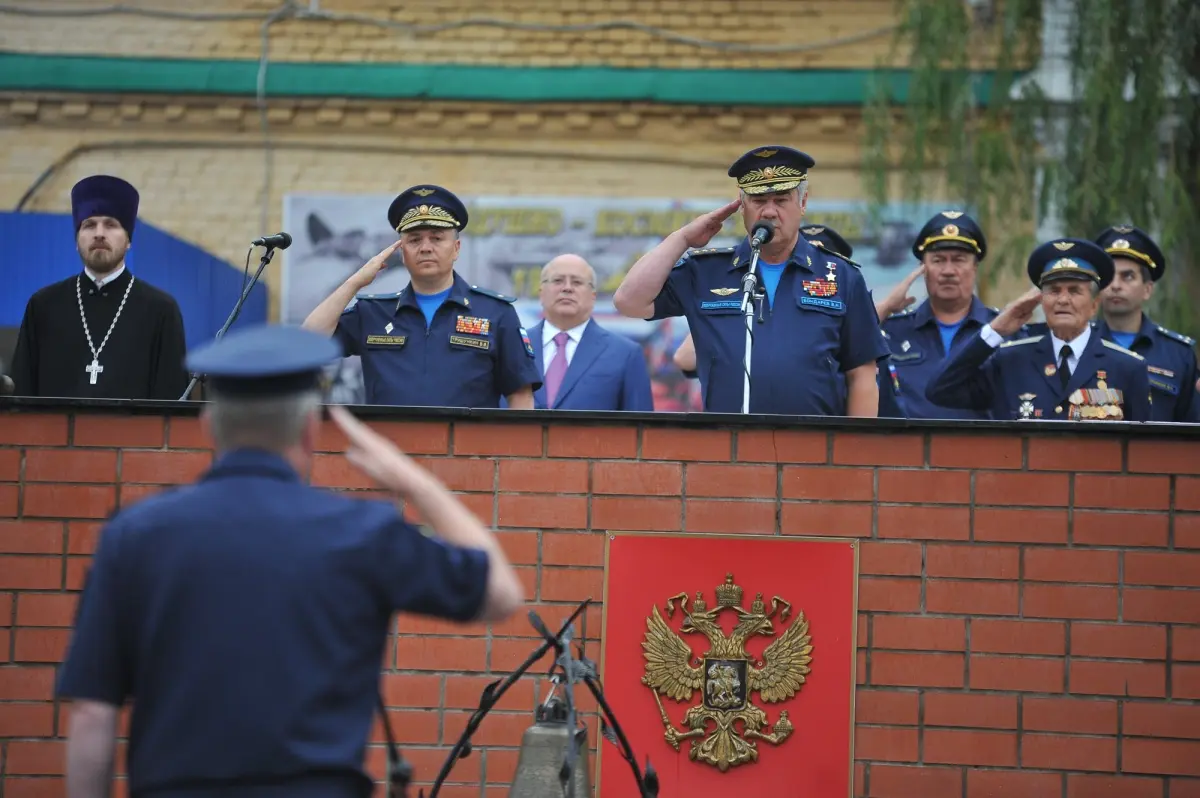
x=144 y=356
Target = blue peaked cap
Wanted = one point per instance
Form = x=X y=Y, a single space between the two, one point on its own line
x=1070 y=258
x=265 y=360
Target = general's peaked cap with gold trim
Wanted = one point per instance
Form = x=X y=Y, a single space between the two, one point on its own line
x=1126 y=241
x=427 y=206
x=1070 y=259
x=950 y=230
x=770 y=169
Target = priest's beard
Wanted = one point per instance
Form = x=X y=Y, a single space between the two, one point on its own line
x=103 y=260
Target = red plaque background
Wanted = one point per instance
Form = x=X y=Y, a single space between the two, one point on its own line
x=817 y=576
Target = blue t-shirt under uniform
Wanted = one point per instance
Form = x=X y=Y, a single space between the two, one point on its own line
x=429 y=303
x=948 y=331
x=771 y=272
x=1124 y=339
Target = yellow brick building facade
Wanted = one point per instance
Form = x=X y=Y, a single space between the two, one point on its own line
x=213 y=165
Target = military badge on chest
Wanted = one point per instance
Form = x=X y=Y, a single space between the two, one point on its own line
x=476 y=330
x=1099 y=403
x=817 y=292
x=1026 y=408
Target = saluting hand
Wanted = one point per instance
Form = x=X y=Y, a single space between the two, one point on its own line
x=376 y=456
x=700 y=230
x=1017 y=313
x=899 y=299
x=371 y=269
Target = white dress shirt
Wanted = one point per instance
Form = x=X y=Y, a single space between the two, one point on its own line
x=550 y=349
x=994 y=339
x=1076 y=347
x=106 y=279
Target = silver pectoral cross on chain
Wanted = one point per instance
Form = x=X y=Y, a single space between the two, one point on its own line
x=94 y=370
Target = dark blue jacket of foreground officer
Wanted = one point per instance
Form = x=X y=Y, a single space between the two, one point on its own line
x=464 y=347
x=1023 y=378
x=1170 y=356
x=245 y=616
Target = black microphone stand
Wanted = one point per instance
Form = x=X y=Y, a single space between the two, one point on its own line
x=492 y=693
x=585 y=670
x=262 y=264
x=751 y=294
x=399 y=770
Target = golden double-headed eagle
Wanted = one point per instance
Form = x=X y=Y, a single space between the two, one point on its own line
x=726 y=675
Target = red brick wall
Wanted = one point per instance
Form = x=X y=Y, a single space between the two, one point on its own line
x=1030 y=602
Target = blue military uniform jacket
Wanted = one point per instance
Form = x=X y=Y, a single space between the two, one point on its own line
x=1018 y=380
x=821 y=325
x=1171 y=363
x=245 y=617
x=473 y=353
x=917 y=352
x=607 y=372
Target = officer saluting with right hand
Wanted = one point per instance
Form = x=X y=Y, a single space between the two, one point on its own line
x=440 y=342
x=245 y=616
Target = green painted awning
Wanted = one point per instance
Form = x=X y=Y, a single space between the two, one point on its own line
x=790 y=87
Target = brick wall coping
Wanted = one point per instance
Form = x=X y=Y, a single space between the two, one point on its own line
x=1164 y=431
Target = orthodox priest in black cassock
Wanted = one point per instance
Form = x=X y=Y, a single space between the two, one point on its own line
x=102 y=333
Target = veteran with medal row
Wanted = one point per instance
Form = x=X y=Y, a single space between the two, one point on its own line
x=441 y=341
x=1068 y=372
x=816 y=337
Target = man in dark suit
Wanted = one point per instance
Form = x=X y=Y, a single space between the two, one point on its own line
x=585 y=366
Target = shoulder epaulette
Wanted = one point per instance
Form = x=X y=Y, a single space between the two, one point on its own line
x=703 y=251
x=1180 y=337
x=997 y=311
x=493 y=294
x=1120 y=348
x=837 y=255
x=394 y=295
x=1033 y=339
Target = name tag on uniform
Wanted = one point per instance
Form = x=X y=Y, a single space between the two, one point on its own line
x=466 y=340
x=387 y=340
x=821 y=302
x=721 y=304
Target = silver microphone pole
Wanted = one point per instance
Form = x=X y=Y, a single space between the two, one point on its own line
x=760 y=235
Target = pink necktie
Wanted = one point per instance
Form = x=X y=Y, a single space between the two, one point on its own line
x=558 y=368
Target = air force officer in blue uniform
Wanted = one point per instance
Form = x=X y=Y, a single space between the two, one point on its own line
x=440 y=342
x=1068 y=372
x=585 y=366
x=950 y=247
x=245 y=616
x=817 y=342
x=1170 y=356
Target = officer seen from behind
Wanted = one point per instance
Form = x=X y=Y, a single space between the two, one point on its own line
x=245 y=616
x=1170 y=356
x=816 y=338
x=1068 y=372
x=440 y=342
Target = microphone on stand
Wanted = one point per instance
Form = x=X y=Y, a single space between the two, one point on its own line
x=761 y=234
x=277 y=241
x=273 y=242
